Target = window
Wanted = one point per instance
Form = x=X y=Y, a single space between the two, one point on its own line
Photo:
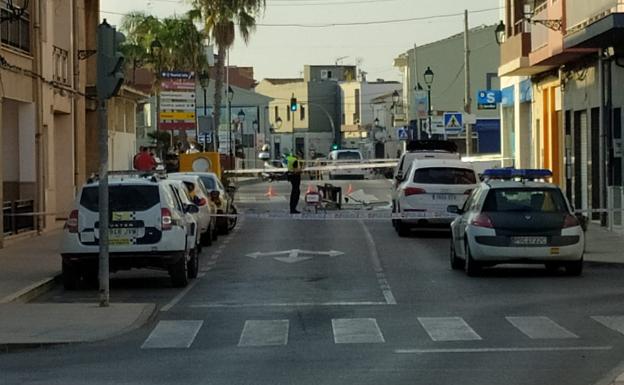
x=276 y=113
x=356 y=98
x=302 y=113
x=349 y=155
x=525 y=200
x=122 y=198
x=444 y=175
x=208 y=182
x=15 y=33
x=288 y=113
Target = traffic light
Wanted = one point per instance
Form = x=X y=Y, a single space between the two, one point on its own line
x=335 y=146
x=110 y=71
x=293 y=103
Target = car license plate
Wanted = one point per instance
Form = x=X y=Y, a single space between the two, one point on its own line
x=122 y=233
x=529 y=241
x=444 y=197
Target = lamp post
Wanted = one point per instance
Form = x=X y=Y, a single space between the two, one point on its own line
x=204 y=81
x=429 y=75
x=156 y=53
x=230 y=97
x=256 y=130
x=500 y=33
x=241 y=121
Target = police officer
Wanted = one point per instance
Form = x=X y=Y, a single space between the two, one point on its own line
x=294 y=176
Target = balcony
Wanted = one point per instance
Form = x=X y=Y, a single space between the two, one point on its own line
x=515 y=51
x=61 y=66
x=594 y=24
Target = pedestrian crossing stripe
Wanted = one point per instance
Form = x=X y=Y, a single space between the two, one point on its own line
x=179 y=334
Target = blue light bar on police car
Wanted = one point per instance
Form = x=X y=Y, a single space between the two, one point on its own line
x=510 y=173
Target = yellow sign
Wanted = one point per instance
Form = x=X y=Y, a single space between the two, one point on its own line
x=184 y=115
x=201 y=162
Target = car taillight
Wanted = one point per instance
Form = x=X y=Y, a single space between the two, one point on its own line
x=413 y=191
x=570 y=221
x=72 y=222
x=166 y=221
x=482 y=220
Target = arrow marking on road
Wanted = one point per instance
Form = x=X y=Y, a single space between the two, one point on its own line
x=294 y=255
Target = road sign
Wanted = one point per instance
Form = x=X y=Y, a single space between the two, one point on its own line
x=489 y=99
x=453 y=121
x=181 y=115
x=294 y=255
x=402 y=133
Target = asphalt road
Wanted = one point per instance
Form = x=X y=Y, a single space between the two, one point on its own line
x=345 y=302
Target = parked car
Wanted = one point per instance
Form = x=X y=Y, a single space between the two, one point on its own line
x=515 y=217
x=222 y=196
x=149 y=228
x=200 y=196
x=346 y=157
x=428 y=187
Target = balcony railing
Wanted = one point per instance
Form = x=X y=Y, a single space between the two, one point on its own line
x=583 y=12
x=61 y=66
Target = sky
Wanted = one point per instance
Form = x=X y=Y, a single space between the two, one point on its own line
x=278 y=51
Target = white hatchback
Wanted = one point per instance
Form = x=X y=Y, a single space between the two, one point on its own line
x=428 y=187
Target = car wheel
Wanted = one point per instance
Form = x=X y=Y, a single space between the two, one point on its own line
x=574 y=268
x=403 y=229
x=193 y=264
x=206 y=238
x=71 y=276
x=471 y=266
x=179 y=272
x=456 y=263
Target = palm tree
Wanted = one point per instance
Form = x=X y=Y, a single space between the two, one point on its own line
x=220 y=18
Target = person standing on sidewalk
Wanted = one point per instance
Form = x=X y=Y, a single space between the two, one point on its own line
x=294 y=177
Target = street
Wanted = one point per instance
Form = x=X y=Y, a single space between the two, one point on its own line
x=344 y=302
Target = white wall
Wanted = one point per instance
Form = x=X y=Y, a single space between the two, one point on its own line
x=10 y=141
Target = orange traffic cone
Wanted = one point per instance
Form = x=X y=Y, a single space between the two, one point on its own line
x=350 y=189
x=270 y=193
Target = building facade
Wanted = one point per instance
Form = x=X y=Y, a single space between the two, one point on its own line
x=445 y=58
x=559 y=65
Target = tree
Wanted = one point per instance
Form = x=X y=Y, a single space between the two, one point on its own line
x=220 y=18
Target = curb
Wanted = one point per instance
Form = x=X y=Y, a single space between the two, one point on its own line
x=31 y=292
x=147 y=315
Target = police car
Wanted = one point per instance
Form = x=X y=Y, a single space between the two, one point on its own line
x=150 y=227
x=514 y=216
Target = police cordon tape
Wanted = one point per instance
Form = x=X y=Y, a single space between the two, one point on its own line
x=357 y=214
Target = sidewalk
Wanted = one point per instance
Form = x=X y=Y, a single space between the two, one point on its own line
x=28 y=267
x=603 y=246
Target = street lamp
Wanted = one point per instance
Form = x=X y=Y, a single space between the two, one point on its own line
x=241 y=115
x=278 y=122
x=395 y=97
x=376 y=122
x=255 y=126
x=204 y=81
x=230 y=97
x=429 y=75
x=500 y=33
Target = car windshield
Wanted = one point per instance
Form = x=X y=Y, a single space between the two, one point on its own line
x=122 y=198
x=349 y=155
x=444 y=175
x=525 y=200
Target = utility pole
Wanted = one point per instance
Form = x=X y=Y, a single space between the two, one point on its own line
x=110 y=77
x=467 y=97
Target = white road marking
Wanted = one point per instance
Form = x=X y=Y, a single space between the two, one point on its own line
x=181 y=294
x=448 y=329
x=615 y=323
x=505 y=350
x=265 y=333
x=382 y=281
x=172 y=334
x=285 y=304
x=356 y=331
x=540 y=328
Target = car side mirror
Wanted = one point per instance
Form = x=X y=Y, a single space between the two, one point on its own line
x=454 y=209
x=192 y=209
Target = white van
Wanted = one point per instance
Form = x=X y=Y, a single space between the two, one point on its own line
x=346 y=157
